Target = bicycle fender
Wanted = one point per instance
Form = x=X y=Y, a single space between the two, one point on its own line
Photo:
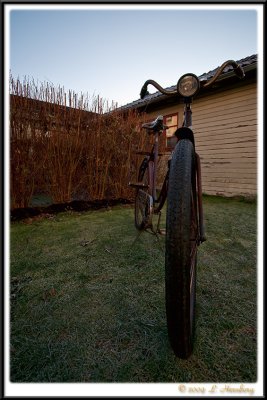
x=185 y=133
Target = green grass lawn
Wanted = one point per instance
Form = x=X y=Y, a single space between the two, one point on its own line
x=87 y=299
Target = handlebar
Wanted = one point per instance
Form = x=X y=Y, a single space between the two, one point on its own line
x=236 y=68
x=144 y=91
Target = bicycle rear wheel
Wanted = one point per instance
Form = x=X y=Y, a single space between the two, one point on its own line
x=182 y=239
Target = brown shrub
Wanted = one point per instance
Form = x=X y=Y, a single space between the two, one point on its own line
x=70 y=146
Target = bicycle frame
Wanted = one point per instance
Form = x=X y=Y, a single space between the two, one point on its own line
x=152 y=160
x=152 y=174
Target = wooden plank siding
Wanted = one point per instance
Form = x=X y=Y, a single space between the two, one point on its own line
x=225 y=128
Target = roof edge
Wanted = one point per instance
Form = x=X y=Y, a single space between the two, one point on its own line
x=248 y=63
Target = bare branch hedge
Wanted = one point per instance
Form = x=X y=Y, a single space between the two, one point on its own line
x=70 y=146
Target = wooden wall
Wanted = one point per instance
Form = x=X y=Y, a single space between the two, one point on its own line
x=225 y=128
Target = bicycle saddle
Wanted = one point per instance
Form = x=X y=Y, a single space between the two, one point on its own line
x=156 y=125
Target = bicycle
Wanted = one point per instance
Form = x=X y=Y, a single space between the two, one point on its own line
x=182 y=188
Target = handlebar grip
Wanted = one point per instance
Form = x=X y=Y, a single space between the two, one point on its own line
x=144 y=91
x=239 y=71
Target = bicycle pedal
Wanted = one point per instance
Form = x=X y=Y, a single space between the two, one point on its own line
x=138 y=185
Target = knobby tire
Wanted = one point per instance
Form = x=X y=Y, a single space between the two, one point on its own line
x=181 y=249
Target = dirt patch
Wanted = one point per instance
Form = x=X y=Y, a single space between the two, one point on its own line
x=18 y=214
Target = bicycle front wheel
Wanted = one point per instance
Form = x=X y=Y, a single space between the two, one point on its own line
x=182 y=239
